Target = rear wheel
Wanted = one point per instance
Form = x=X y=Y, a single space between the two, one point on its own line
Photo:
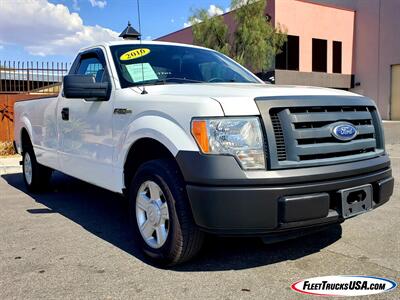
x=161 y=214
x=36 y=176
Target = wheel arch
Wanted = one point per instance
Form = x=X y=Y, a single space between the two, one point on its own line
x=25 y=138
x=141 y=151
x=23 y=133
x=161 y=133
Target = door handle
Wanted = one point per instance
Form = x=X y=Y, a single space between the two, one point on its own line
x=65 y=113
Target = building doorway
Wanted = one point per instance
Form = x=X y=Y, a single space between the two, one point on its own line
x=395 y=94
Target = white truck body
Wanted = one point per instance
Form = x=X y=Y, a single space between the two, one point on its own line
x=164 y=114
x=94 y=143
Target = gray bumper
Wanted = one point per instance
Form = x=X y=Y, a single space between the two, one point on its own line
x=227 y=200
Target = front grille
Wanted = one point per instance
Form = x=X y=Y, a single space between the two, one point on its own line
x=302 y=135
x=279 y=137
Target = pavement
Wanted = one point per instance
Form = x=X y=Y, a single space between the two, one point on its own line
x=392 y=129
x=10 y=164
x=74 y=242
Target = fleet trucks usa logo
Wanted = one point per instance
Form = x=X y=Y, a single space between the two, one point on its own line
x=343 y=285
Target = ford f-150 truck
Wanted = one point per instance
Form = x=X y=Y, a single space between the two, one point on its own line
x=199 y=144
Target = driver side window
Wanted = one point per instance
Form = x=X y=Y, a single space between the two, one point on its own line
x=92 y=66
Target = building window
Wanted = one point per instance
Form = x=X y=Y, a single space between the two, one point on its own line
x=319 y=55
x=337 y=57
x=288 y=59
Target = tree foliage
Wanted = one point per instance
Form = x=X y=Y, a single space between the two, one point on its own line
x=210 y=31
x=256 y=41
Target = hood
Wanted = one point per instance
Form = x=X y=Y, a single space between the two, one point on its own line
x=238 y=98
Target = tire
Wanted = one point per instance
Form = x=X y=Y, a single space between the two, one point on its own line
x=183 y=238
x=36 y=176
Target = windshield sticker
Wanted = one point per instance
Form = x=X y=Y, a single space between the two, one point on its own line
x=139 y=74
x=134 y=54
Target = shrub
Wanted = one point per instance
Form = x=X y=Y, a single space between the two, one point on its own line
x=6 y=148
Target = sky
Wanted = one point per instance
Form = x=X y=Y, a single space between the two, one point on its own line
x=53 y=30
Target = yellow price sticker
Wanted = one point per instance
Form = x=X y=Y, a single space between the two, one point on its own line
x=133 y=54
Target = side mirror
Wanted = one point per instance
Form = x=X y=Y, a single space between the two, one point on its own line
x=84 y=86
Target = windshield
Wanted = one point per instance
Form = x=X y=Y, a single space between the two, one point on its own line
x=162 y=64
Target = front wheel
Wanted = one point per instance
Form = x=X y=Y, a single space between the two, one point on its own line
x=36 y=176
x=161 y=214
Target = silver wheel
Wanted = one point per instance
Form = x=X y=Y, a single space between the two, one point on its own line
x=152 y=214
x=28 y=168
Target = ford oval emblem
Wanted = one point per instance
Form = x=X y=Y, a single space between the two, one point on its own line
x=344 y=131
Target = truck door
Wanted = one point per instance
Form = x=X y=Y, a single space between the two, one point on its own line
x=85 y=126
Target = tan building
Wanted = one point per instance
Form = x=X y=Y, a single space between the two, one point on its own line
x=347 y=44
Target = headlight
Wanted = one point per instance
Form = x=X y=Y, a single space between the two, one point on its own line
x=240 y=137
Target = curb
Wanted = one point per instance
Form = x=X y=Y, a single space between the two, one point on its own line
x=4 y=170
x=10 y=165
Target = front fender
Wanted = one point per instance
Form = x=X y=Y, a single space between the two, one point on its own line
x=159 y=129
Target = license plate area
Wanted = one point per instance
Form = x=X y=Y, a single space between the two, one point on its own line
x=356 y=200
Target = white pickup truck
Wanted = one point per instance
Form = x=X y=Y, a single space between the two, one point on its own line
x=198 y=144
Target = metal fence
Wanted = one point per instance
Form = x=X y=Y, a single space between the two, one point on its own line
x=7 y=112
x=31 y=77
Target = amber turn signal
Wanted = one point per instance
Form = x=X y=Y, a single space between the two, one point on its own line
x=200 y=133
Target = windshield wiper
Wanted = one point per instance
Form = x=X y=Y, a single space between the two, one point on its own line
x=178 y=80
x=172 y=80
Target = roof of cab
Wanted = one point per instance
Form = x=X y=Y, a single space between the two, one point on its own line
x=134 y=42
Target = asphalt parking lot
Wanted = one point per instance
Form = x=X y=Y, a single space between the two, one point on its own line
x=74 y=242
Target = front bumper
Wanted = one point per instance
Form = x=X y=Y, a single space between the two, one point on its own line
x=298 y=203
